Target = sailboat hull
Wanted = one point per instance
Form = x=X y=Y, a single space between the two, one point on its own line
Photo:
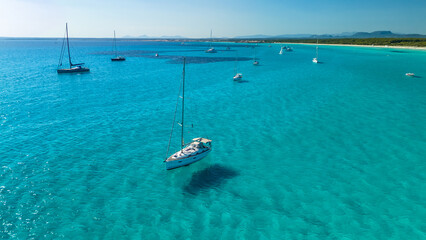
x=118 y=59
x=73 y=70
x=211 y=51
x=186 y=161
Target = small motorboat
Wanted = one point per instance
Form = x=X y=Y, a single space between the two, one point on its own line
x=315 y=60
x=157 y=55
x=409 y=74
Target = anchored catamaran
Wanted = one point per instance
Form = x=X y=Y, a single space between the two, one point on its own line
x=74 y=68
x=191 y=152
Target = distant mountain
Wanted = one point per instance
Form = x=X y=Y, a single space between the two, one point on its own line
x=172 y=37
x=149 y=37
x=277 y=36
x=141 y=36
x=385 y=34
x=375 y=34
x=254 y=36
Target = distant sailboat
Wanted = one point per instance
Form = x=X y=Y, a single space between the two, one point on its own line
x=282 y=50
x=238 y=76
x=315 y=59
x=191 y=152
x=116 y=58
x=211 y=49
x=255 y=62
x=74 y=68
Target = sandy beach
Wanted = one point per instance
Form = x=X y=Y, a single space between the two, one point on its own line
x=353 y=45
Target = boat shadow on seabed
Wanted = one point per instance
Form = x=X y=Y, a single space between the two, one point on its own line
x=211 y=177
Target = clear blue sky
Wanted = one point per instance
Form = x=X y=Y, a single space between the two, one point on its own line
x=195 y=18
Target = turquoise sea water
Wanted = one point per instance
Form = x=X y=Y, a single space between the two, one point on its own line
x=300 y=150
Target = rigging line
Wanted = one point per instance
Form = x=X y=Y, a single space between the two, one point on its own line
x=114 y=45
x=62 y=52
x=174 y=119
x=183 y=100
x=68 y=45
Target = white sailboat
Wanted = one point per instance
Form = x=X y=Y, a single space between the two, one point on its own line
x=255 y=62
x=211 y=49
x=238 y=76
x=282 y=50
x=116 y=58
x=191 y=152
x=315 y=59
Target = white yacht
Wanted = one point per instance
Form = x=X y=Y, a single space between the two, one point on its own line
x=238 y=77
x=191 y=152
x=255 y=62
x=211 y=49
x=315 y=59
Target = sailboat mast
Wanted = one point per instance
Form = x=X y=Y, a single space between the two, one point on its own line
x=317 y=48
x=211 y=38
x=183 y=100
x=68 y=45
x=235 y=64
x=115 y=45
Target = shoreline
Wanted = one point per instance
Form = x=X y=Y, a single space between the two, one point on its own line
x=353 y=45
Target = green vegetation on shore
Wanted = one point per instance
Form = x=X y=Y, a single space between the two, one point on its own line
x=413 y=42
